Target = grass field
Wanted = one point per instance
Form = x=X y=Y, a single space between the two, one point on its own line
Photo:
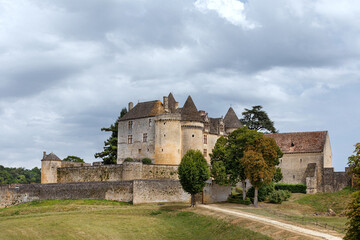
x=100 y=219
x=301 y=208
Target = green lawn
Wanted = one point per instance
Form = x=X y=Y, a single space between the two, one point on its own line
x=100 y=219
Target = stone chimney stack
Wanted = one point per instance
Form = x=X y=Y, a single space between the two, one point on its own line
x=166 y=104
x=131 y=105
x=44 y=155
x=176 y=105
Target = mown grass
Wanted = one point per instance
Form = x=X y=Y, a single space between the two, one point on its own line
x=100 y=219
x=321 y=202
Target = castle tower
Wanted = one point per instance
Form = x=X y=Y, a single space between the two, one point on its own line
x=191 y=127
x=49 y=165
x=231 y=121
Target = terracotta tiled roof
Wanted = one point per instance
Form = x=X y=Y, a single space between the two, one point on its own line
x=144 y=109
x=189 y=111
x=51 y=157
x=231 y=120
x=300 y=142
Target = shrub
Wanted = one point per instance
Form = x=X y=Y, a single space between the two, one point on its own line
x=146 y=161
x=128 y=159
x=278 y=196
x=294 y=188
x=235 y=199
x=263 y=192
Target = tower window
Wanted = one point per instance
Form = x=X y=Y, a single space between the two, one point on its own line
x=145 y=137
x=130 y=139
x=193 y=135
x=205 y=139
x=205 y=152
x=130 y=125
x=149 y=122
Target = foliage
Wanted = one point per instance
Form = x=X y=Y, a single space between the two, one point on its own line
x=264 y=191
x=193 y=173
x=257 y=119
x=19 y=175
x=278 y=176
x=109 y=154
x=354 y=164
x=353 y=214
x=294 y=188
x=238 y=199
x=278 y=196
x=73 y=159
x=128 y=159
x=146 y=161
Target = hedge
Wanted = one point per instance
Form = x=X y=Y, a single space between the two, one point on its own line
x=233 y=199
x=294 y=188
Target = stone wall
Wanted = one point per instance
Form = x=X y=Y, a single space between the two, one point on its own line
x=138 y=191
x=335 y=181
x=119 y=191
x=117 y=172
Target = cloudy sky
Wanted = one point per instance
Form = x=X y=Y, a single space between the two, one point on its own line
x=68 y=67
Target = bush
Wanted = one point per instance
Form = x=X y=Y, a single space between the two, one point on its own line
x=263 y=192
x=294 y=188
x=235 y=199
x=278 y=196
x=128 y=159
x=146 y=161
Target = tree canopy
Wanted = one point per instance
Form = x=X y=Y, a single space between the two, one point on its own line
x=354 y=164
x=193 y=173
x=19 y=175
x=109 y=154
x=73 y=159
x=257 y=119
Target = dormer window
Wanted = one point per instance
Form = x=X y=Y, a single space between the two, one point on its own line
x=292 y=144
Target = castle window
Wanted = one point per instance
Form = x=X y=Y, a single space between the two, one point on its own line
x=292 y=144
x=139 y=150
x=293 y=176
x=300 y=160
x=130 y=125
x=149 y=122
x=130 y=139
x=205 y=139
x=193 y=135
x=205 y=152
x=145 y=137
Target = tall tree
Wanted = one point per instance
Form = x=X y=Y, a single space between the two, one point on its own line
x=257 y=119
x=354 y=165
x=193 y=173
x=109 y=154
x=73 y=159
x=259 y=161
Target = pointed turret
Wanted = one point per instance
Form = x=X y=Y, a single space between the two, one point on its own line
x=189 y=111
x=231 y=120
x=172 y=103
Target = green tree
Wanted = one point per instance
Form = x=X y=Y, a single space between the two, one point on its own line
x=73 y=159
x=259 y=161
x=257 y=119
x=193 y=173
x=109 y=154
x=354 y=164
x=278 y=176
x=353 y=214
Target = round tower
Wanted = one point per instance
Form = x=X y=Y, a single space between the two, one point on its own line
x=49 y=165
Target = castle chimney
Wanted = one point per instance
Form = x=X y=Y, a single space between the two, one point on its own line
x=176 y=105
x=166 y=104
x=44 y=155
x=131 y=105
x=202 y=113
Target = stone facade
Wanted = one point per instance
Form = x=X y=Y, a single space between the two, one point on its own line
x=164 y=132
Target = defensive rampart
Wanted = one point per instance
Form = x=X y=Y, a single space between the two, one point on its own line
x=136 y=191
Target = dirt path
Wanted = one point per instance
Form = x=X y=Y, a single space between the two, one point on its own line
x=286 y=226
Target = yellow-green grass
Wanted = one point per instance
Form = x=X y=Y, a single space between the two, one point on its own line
x=100 y=219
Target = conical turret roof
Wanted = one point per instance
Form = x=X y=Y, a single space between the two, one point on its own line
x=231 y=120
x=189 y=111
x=171 y=102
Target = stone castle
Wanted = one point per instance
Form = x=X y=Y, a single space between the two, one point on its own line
x=164 y=132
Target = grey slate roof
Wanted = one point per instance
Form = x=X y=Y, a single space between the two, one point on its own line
x=231 y=120
x=214 y=125
x=51 y=157
x=143 y=110
x=189 y=111
x=171 y=102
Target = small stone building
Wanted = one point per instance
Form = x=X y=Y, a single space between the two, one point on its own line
x=164 y=132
